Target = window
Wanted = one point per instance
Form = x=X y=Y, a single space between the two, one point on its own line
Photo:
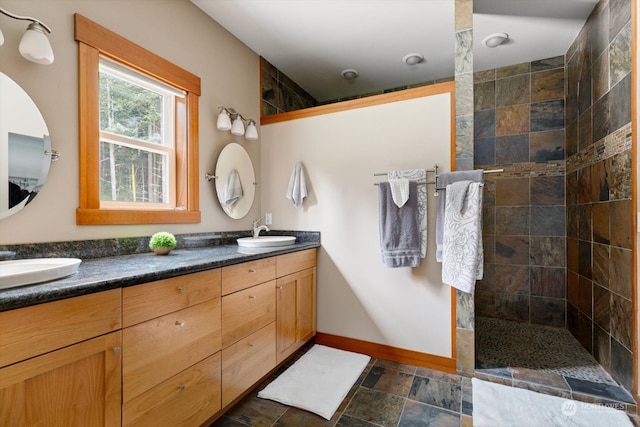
x=138 y=133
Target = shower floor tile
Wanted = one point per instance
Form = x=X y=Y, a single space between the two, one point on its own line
x=502 y=343
x=545 y=359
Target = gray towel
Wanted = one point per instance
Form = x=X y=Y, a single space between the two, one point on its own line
x=399 y=228
x=445 y=179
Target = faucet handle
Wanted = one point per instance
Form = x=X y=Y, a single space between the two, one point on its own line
x=257 y=221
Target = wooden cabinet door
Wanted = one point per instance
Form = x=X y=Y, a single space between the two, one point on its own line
x=305 y=305
x=77 y=386
x=295 y=311
x=285 y=316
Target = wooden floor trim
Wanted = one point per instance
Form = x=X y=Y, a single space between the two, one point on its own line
x=438 y=363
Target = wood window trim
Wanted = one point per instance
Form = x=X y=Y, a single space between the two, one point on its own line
x=93 y=41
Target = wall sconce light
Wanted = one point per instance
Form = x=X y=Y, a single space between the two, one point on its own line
x=34 y=45
x=236 y=127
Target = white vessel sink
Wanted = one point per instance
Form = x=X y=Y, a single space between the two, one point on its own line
x=266 y=241
x=27 y=271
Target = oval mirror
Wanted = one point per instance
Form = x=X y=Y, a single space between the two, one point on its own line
x=235 y=181
x=25 y=148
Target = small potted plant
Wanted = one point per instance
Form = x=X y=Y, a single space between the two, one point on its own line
x=162 y=242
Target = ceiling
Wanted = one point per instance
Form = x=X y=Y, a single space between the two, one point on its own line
x=312 y=41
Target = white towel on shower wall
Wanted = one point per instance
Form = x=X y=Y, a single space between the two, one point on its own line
x=462 y=254
x=297 y=189
x=418 y=175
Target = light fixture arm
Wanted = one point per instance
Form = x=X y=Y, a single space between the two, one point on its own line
x=25 y=18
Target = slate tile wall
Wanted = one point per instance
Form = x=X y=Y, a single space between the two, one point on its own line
x=519 y=127
x=598 y=187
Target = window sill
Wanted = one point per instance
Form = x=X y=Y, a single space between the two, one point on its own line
x=123 y=216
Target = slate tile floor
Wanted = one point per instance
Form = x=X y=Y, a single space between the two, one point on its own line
x=390 y=394
x=387 y=394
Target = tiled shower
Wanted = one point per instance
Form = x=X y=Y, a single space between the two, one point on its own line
x=557 y=223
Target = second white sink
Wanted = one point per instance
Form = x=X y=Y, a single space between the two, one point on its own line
x=27 y=271
x=266 y=241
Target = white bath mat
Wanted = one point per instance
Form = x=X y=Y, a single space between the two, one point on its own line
x=318 y=381
x=496 y=405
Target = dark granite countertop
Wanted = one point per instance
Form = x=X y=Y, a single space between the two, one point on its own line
x=101 y=274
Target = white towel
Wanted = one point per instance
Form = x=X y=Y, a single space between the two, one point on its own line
x=232 y=188
x=443 y=180
x=399 y=190
x=297 y=189
x=462 y=254
x=418 y=175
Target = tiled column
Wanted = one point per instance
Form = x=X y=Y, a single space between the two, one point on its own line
x=465 y=357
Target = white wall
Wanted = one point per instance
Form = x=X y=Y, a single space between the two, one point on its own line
x=174 y=29
x=357 y=296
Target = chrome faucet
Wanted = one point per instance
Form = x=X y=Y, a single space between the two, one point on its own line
x=257 y=229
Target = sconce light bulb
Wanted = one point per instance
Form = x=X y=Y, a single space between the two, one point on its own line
x=252 y=132
x=224 y=121
x=35 y=45
x=238 y=127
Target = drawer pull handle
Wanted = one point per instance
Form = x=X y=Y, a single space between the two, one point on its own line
x=279 y=287
x=182 y=289
x=251 y=270
x=182 y=387
x=116 y=349
x=179 y=323
x=250 y=344
x=252 y=297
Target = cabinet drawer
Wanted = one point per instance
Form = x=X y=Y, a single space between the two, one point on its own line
x=31 y=331
x=144 y=302
x=160 y=348
x=186 y=399
x=247 y=361
x=246 y=311
x=295 y=261
x=247 y=274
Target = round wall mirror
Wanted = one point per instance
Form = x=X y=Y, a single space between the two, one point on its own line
x=235 y=181
x=25 y=148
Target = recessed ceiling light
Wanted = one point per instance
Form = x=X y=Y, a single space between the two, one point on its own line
x=413 y=58
x=349 y=73
x=495 y=40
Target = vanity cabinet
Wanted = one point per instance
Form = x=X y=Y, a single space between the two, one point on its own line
x=61 y=363
x=170 y=350
x=295 y=301
x=175 y=352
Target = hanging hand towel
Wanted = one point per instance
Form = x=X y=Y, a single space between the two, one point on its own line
x=297 y=189
x=462 y=251
x=418 y=175
x=399 y=228
x=443 y=180
x=232 y=188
